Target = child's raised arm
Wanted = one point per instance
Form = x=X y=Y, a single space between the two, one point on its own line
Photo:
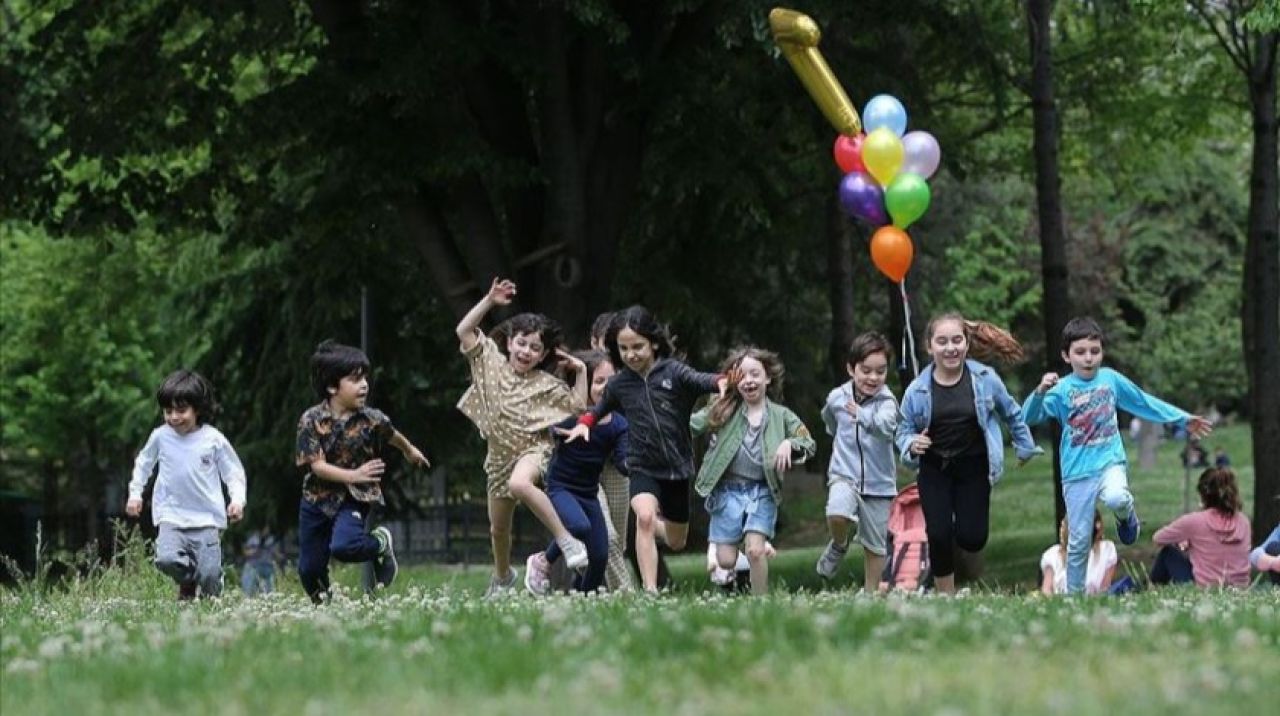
x=501 y=293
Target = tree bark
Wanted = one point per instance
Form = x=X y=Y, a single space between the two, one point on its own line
x=1261 y=305
x=1053 y=252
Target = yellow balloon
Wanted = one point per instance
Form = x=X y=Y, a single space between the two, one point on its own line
x=882 y=153
x=797 y=35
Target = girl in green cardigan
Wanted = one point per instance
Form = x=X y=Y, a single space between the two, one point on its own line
x=753 y=442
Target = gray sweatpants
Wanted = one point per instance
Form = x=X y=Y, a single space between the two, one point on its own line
x=191 y=556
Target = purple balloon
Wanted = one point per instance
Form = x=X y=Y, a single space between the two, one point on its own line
x=862 y=198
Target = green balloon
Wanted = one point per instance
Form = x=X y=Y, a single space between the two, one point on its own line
x=906 y=198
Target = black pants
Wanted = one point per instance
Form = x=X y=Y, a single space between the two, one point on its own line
x=1172 y=567
x=955 y=496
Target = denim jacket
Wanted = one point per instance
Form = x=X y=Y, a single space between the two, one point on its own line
x=992 y=402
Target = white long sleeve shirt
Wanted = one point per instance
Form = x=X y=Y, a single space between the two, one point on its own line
x=188 y=491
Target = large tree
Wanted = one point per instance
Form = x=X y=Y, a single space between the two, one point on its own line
x=1250 y=43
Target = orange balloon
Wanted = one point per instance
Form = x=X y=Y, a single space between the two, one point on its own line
x=891 y=252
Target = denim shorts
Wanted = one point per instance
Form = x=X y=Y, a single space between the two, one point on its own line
x=737 y=507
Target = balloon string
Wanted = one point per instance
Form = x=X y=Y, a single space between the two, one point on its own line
x=908 y=336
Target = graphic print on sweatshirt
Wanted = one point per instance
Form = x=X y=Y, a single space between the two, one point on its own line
x=1092 y=419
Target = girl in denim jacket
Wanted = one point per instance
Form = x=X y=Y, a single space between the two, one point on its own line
x=950 y=429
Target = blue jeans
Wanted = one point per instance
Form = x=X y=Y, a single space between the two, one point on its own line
x=583 y=517
x=738 y=507
x=1112 y=487
x=344 y=536
x=258 y=578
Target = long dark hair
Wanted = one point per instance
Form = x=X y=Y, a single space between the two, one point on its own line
x=646 y=325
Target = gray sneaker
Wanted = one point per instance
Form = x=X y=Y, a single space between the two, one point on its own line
x=499 y=587
x=575 y=553
x=830 y=560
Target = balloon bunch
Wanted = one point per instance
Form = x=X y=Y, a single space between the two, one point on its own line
x=884 y=183
x=885 y=167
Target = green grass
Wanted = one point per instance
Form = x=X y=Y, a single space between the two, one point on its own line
x=115 y=642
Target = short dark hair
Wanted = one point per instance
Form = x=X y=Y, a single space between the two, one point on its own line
x=868 y=344
x=547 y=329
x=187 y=388
x=1080 y=328
x=645 y=324
x=600 y=326
x=334 y=361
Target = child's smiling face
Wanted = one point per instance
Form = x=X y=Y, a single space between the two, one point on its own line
x=637 y=351
x=525 y=351
x=754 y=383
x=182 y=418
x=869 y=374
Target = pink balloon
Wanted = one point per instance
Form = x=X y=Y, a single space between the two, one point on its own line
x=922 y=154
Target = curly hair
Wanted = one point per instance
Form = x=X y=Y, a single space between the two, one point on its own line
x=547 y=330
x=987 y=341
x=723 y=408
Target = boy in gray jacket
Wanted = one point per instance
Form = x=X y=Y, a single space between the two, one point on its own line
x=862 y=415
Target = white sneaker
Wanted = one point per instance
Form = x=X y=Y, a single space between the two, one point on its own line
x=575 y=553
x=537 y=574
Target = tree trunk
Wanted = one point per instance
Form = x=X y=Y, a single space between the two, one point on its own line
x=839 y=288
x=1148 y=439
x=1053 y=252
x=1261 y=304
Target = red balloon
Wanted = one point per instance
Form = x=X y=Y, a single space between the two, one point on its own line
x=848 y=153
x=892 y=252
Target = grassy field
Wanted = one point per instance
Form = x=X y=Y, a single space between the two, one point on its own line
x=115 y=642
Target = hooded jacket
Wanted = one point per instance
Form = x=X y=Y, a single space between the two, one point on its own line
x=657 y=407
x=862 y=449
x=1217 y=545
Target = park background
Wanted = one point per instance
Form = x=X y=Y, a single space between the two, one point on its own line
x=223 y=187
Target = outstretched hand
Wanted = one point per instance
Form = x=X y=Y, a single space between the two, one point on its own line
x=1199 y=427
x=579 y=431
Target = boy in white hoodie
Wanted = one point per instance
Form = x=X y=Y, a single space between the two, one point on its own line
x=186 y=505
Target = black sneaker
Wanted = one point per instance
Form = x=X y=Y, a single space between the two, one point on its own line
x=385 y=566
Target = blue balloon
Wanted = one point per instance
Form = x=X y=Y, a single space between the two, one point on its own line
x=885 y=111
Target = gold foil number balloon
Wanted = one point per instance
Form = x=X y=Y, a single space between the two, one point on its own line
x=797 y=35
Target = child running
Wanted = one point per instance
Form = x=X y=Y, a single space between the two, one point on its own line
x=573 y=486
x=950 y=428
x=513 y=400
x=187 y=506
x=754 y=441
x=862 y=416
x=1094 y=465
x=340 y=445
x=656 y=392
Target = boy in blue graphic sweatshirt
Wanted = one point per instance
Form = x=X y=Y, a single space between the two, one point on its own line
x=1094 y=465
